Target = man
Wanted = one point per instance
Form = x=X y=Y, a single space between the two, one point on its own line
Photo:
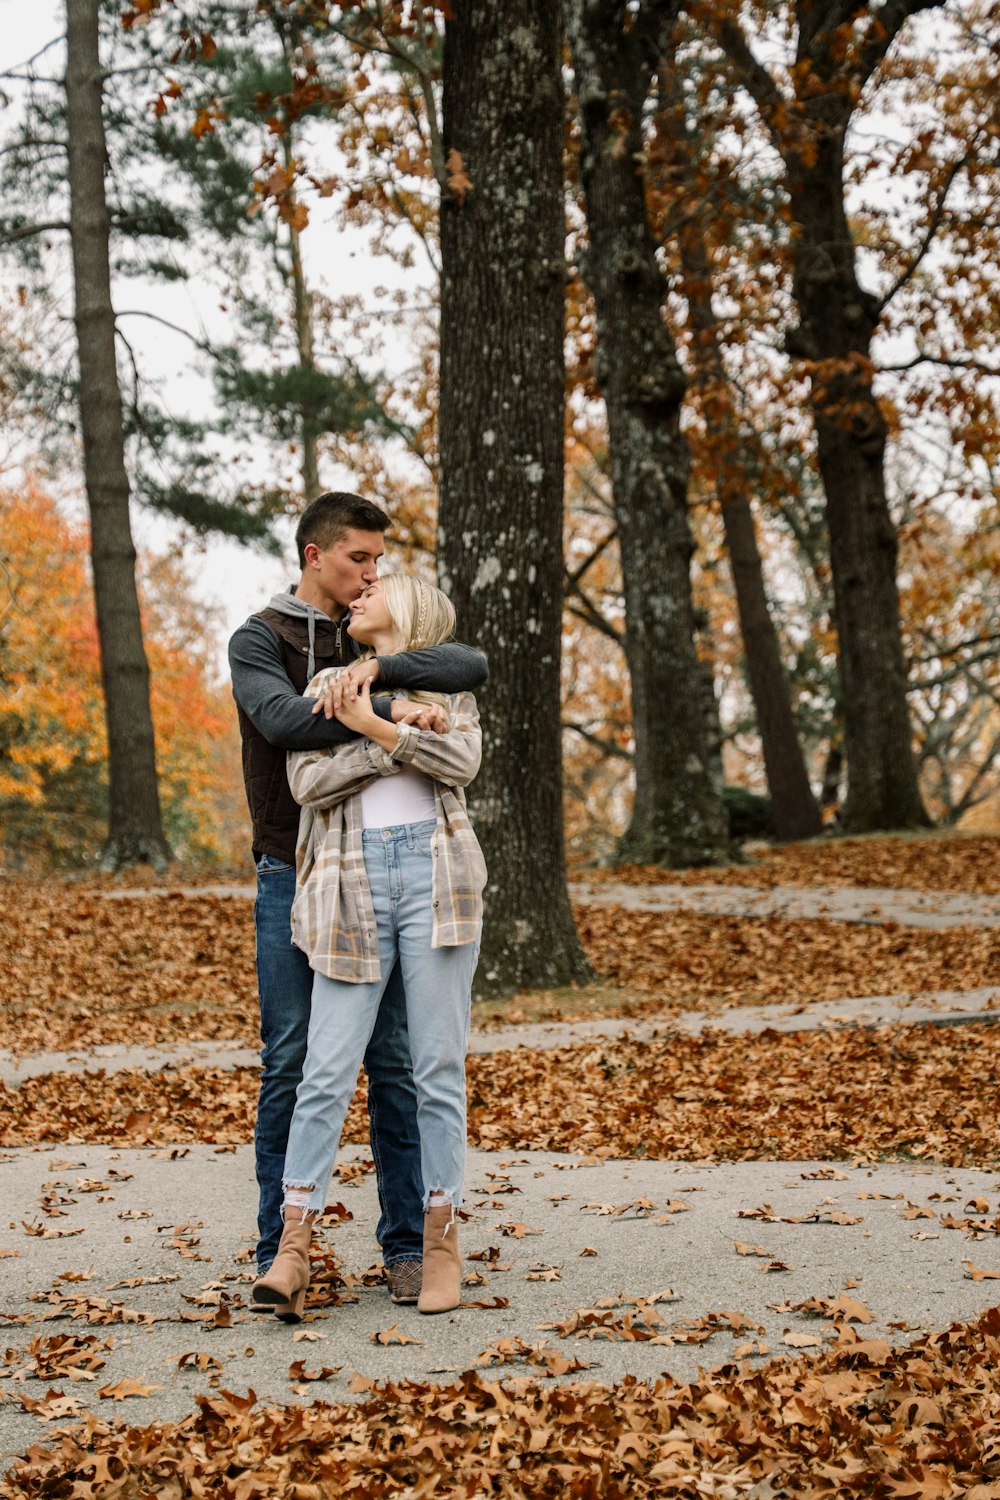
x=272 y=657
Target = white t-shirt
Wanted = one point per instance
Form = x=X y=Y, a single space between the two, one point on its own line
x=407 y=797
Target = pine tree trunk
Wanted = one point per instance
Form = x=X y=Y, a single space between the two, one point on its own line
x=837 y=322
x=795 y=810
x=501 y=438
x=135 y=831
x=302 y=304
x=678 y=816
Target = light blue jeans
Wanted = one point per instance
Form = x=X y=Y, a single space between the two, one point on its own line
x=285 y=981
x=437 y=983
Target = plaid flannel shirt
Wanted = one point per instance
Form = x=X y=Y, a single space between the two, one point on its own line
x=333 y=917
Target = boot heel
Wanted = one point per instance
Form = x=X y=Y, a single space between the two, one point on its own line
x=291 y=1311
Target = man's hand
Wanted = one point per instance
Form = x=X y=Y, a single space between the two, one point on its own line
x=420 y=715
x=345 y=687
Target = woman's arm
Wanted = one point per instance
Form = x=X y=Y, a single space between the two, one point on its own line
x=453 y=758
x=322 y=778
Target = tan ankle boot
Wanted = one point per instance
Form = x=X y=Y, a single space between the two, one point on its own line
x=442 y=1280
x=283 y=1289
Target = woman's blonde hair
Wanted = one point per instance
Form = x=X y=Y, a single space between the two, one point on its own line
x=422 y=615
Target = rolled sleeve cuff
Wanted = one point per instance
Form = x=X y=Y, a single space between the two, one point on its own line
x=406 y=744
x=382 y=762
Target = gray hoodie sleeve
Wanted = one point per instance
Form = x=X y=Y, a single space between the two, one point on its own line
x=452 y=668
x=264 y=691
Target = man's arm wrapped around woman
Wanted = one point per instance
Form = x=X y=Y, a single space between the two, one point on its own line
x=321 y=779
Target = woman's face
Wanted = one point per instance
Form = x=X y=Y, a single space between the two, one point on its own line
x=370 y=622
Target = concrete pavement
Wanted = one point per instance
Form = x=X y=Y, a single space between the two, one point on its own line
x=651 y=1242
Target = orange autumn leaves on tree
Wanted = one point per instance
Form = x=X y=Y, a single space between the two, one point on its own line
x=50 y=705
x=52 y=734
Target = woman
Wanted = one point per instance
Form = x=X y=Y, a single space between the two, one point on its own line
x=388 y=868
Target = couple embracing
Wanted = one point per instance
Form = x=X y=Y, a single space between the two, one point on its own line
x=359 y=733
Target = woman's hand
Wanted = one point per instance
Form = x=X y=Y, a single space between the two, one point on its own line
x=355 y=711
x=420 y=715
x=345 y=686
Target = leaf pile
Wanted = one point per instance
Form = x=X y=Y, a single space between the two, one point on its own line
x=930 y=862
x=77 y=969
x=708 y=962
x=861 y=1418
x=921 y=1091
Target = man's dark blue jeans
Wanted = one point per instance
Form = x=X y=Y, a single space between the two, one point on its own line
x=284 y=981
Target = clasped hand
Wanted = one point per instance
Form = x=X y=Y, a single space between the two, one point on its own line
x=347 y=697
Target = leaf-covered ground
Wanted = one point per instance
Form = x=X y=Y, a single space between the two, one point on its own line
x=709 y=962
x=863 y=1419
x=928 y=1092
x=926 y=862
x=77 y=969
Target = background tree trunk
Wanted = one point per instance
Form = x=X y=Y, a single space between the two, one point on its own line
x=836 y=56
x=135 y=830
x=837 y=322
x=678 y=817
x=501 y=444
x=795 y=810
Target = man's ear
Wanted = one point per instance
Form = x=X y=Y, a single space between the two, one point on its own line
x=310 y=552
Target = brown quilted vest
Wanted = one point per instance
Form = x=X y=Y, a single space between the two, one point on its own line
x=273 y=811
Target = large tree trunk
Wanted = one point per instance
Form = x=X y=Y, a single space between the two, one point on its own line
x=678 y=817
x=135 y=831
x=501 y=438
x=796 y=812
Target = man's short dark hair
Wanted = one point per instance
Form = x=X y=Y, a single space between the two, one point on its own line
x=329 y=517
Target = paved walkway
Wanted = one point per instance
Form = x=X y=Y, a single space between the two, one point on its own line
x=938 y=1007
x=154 y=1235
x=935 y=909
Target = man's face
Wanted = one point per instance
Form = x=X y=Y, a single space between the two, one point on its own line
x=340 y=572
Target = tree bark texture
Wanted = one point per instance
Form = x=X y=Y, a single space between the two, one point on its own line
x=302 y=301
x=794 y=807
x=678 y=817
x=501 y=447
x=837 y=321
x=135 y=831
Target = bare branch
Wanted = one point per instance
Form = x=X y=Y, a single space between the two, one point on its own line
x=26 y=231
x=608 y=746
x=10 y=72
x=922 y=358
x=31 y=144
x=968 y=798
x=937 y=652
x=138 y=312
x=933 y=225
x=572 y=579
x=587 y=611
x=430 y=104
x=886 y=24
x=752 y=74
